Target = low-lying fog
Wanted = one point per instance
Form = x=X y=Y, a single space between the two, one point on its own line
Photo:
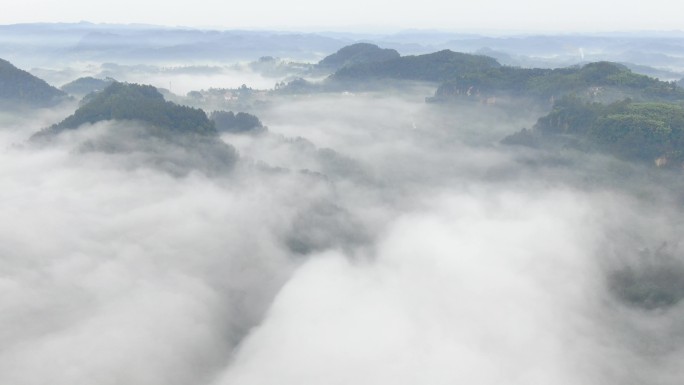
x=363 y=239
x=179 y=79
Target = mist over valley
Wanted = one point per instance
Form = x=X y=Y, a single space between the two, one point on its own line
x=186 y=206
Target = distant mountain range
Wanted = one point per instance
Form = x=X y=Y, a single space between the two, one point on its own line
x=44 y=44
x=600 y=105
x=481 y=78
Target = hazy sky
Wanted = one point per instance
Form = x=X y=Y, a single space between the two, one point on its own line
x=380 y=15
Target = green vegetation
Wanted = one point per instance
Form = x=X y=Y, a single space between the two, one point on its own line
x=595 y=80
x=657 y=282
x=645 y=131
x=479 y=77
x=276 y=67
x=122 y=101
x=437 y=67
x=227 y=121
x=356 y=54
x=20 y=88
x=150 y=130
x=86 y=85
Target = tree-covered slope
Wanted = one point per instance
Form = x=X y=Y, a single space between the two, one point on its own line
x=241 y=122
x=356 y=54
x=20 y=88
x=147 y=130
x=121 y=101
x=85 y=85
x=479 y=77
x=647 y=131
x=601 y=80
x=437 y=67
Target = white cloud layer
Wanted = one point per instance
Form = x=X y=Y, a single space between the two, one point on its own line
x=393 y=242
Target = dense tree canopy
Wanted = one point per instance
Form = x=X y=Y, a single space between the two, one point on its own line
x=650 y=131
x=121 y=101
x=86 y=85
x=438 y=67
x=356 y=54
x=161 y=134
x=480 y=77
x=18 y=87
x=593 y=78
x=227 y=121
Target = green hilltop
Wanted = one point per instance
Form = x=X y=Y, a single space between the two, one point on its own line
x=149 y=130
x=85 y=85
x=357 y=54
x=601 y=106
x=122 y=101
x=436 y=67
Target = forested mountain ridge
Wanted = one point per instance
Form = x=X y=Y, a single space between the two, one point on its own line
x=20 y=88
x=86 y=85
x=122 y=101
x=651 y=132
x=148 y=130
x=601 y=106
x=480 y=77
x=600 y=80
x=436 y=67
x=356 y=54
